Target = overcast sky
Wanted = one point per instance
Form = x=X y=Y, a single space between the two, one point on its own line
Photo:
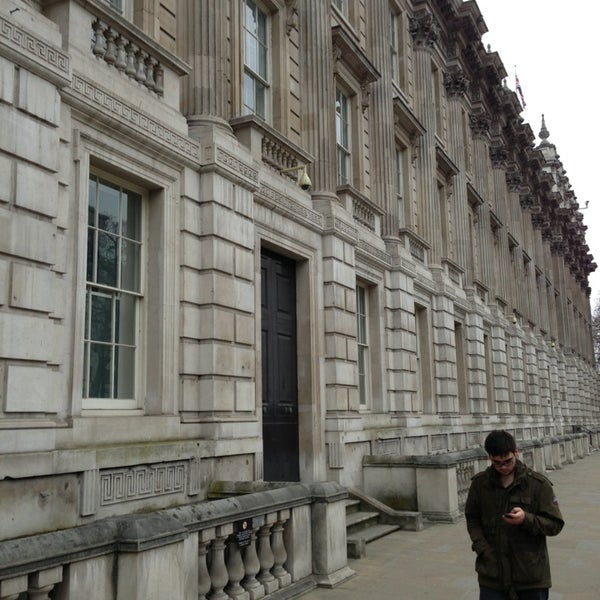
x=554 y=46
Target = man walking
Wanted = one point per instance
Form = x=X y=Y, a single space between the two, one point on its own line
x=510 y=511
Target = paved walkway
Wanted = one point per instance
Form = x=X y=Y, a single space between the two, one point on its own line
x=438 y=564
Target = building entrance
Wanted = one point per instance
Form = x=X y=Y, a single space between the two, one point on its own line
x=279 y=368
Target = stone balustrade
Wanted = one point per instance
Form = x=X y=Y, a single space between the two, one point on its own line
x=363 y=211
x=267 y=145
x=244 y=547
x=116 y=49
x=437 y=484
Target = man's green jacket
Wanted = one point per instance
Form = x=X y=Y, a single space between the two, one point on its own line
x=512 y=557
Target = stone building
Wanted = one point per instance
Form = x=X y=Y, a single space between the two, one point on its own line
x=271 y=240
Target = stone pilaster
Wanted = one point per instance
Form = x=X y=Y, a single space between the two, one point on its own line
x=381 y=112
x=480 y=126
x=532 y=377
x=424 y=32
x=206 y=47
x=401 y=329
x=444 y=353
x=517 y=367
x=318 y=95
x=475 y=360
x=456 y=86
x=500 y=365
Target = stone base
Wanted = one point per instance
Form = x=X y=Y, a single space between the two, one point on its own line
x=332 y=579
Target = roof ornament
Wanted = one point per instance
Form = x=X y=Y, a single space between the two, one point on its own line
x=544 y=133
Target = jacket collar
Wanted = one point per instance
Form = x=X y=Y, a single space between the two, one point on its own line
x=520 y=473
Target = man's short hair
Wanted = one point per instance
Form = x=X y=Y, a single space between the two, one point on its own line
x=499 y=443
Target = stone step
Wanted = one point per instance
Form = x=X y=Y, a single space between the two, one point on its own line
x=360 y=518
x=356 y=542
x=352 y=505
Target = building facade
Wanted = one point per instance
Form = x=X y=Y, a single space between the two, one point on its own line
x=265 y=239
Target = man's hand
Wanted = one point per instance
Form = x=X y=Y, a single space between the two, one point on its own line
x=515 y=517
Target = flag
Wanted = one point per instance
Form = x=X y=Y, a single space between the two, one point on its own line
x=518 y=88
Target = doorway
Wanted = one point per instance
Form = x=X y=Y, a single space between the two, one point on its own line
x=279 y=368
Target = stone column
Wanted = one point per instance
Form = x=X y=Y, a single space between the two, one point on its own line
x=424 y=32
x=456 y=85
x=499 y=156
x=381 y=111
x=480 y=126
x=318 y=95
x=204 y=45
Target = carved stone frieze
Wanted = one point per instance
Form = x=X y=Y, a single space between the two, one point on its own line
x=142 y=481
x=283 y=204
x=35 y=53
x=107 y=104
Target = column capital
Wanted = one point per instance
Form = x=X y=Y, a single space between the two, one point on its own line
x=424 y=29
x=480 y=123
x=499 y=156
x=456 y=83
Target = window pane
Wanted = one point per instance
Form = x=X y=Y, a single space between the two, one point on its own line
x=130 y=266
x=263 y=58
x=250 y=17
x=107 y=259
x=251 y=57
x=261 y=31
x=131 y=218
x=92 y=189
x=108 y=207
x=125 y=319
x=100 y=370
x=261 y=94
x=91 y=254
x=248 y=93
x=101 y=318
x=124 y=372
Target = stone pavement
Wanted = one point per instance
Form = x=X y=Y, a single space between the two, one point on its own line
x=438 y=564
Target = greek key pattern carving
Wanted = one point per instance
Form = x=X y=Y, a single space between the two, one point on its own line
x=344 y=228
x=28 y=45
x=374 y=252
x=237 y=165
x=134 y=117
x=135 y=483
x=281 y=203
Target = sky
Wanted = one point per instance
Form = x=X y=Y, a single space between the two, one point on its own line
x=553 y=47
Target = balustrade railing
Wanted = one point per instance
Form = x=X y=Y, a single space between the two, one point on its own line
x=241 y=546
x=464 y=472
x=115 y=49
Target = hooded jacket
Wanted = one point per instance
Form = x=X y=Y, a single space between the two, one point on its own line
x=512 y=557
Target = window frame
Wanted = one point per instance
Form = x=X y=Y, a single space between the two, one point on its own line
x=343 y=153
x=115 y=403
x=363 y=339
x=265 y=80
x=401 y=166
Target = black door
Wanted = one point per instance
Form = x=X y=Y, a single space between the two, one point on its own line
x=279 y=374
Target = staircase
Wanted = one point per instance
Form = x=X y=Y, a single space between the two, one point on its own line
x=367 y=519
